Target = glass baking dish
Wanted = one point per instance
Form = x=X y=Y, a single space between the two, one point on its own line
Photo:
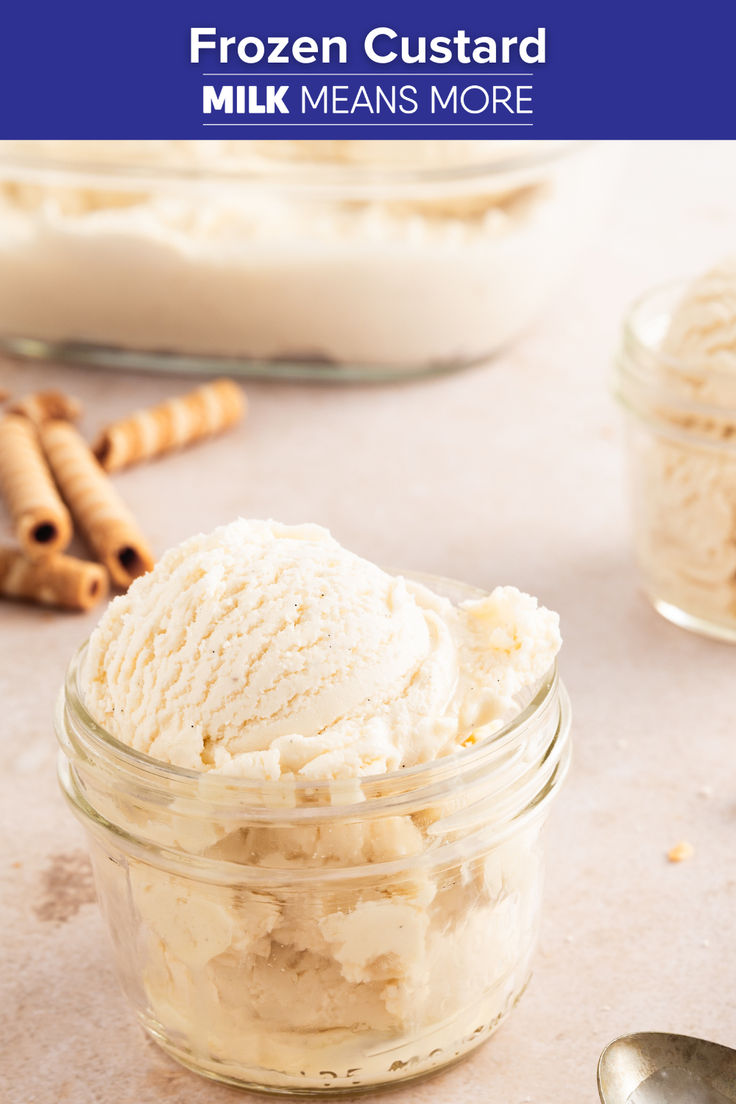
x=339 y=260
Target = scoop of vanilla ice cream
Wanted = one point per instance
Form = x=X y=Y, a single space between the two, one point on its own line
x=264 y=650
x=702 y=330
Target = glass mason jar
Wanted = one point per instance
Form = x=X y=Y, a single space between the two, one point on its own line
x=681 y=437
x=320 y=937
x=338 y=260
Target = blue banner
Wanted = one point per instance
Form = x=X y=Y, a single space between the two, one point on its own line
x=513 y=69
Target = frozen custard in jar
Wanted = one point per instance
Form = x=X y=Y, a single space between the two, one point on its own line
x=314 y=793
x=676 y=376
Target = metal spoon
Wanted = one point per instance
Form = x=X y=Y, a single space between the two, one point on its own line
x=654 y=1067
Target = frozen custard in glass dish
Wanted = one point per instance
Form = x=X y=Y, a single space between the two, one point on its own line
x=327 y=259
x=314 y=793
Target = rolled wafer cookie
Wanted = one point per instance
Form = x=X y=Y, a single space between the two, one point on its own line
x=41 y=521
x=203 y=412
x=43 y=405
x=61 y=581
x=104 y=521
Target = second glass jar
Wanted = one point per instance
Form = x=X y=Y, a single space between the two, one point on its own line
x=681 y=432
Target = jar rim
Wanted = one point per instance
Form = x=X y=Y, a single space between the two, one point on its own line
x=175 y=858
x=296 y=176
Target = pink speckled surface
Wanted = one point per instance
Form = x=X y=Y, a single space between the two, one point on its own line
x=508 y=473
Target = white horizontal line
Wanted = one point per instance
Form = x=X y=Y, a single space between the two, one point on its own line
x=327 y=76
x=268 y=123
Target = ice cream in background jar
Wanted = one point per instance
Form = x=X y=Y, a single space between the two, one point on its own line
x=676 y=377
x=314 y=794
x=325 y=259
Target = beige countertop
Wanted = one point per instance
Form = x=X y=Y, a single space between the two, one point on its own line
x=507 y=473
